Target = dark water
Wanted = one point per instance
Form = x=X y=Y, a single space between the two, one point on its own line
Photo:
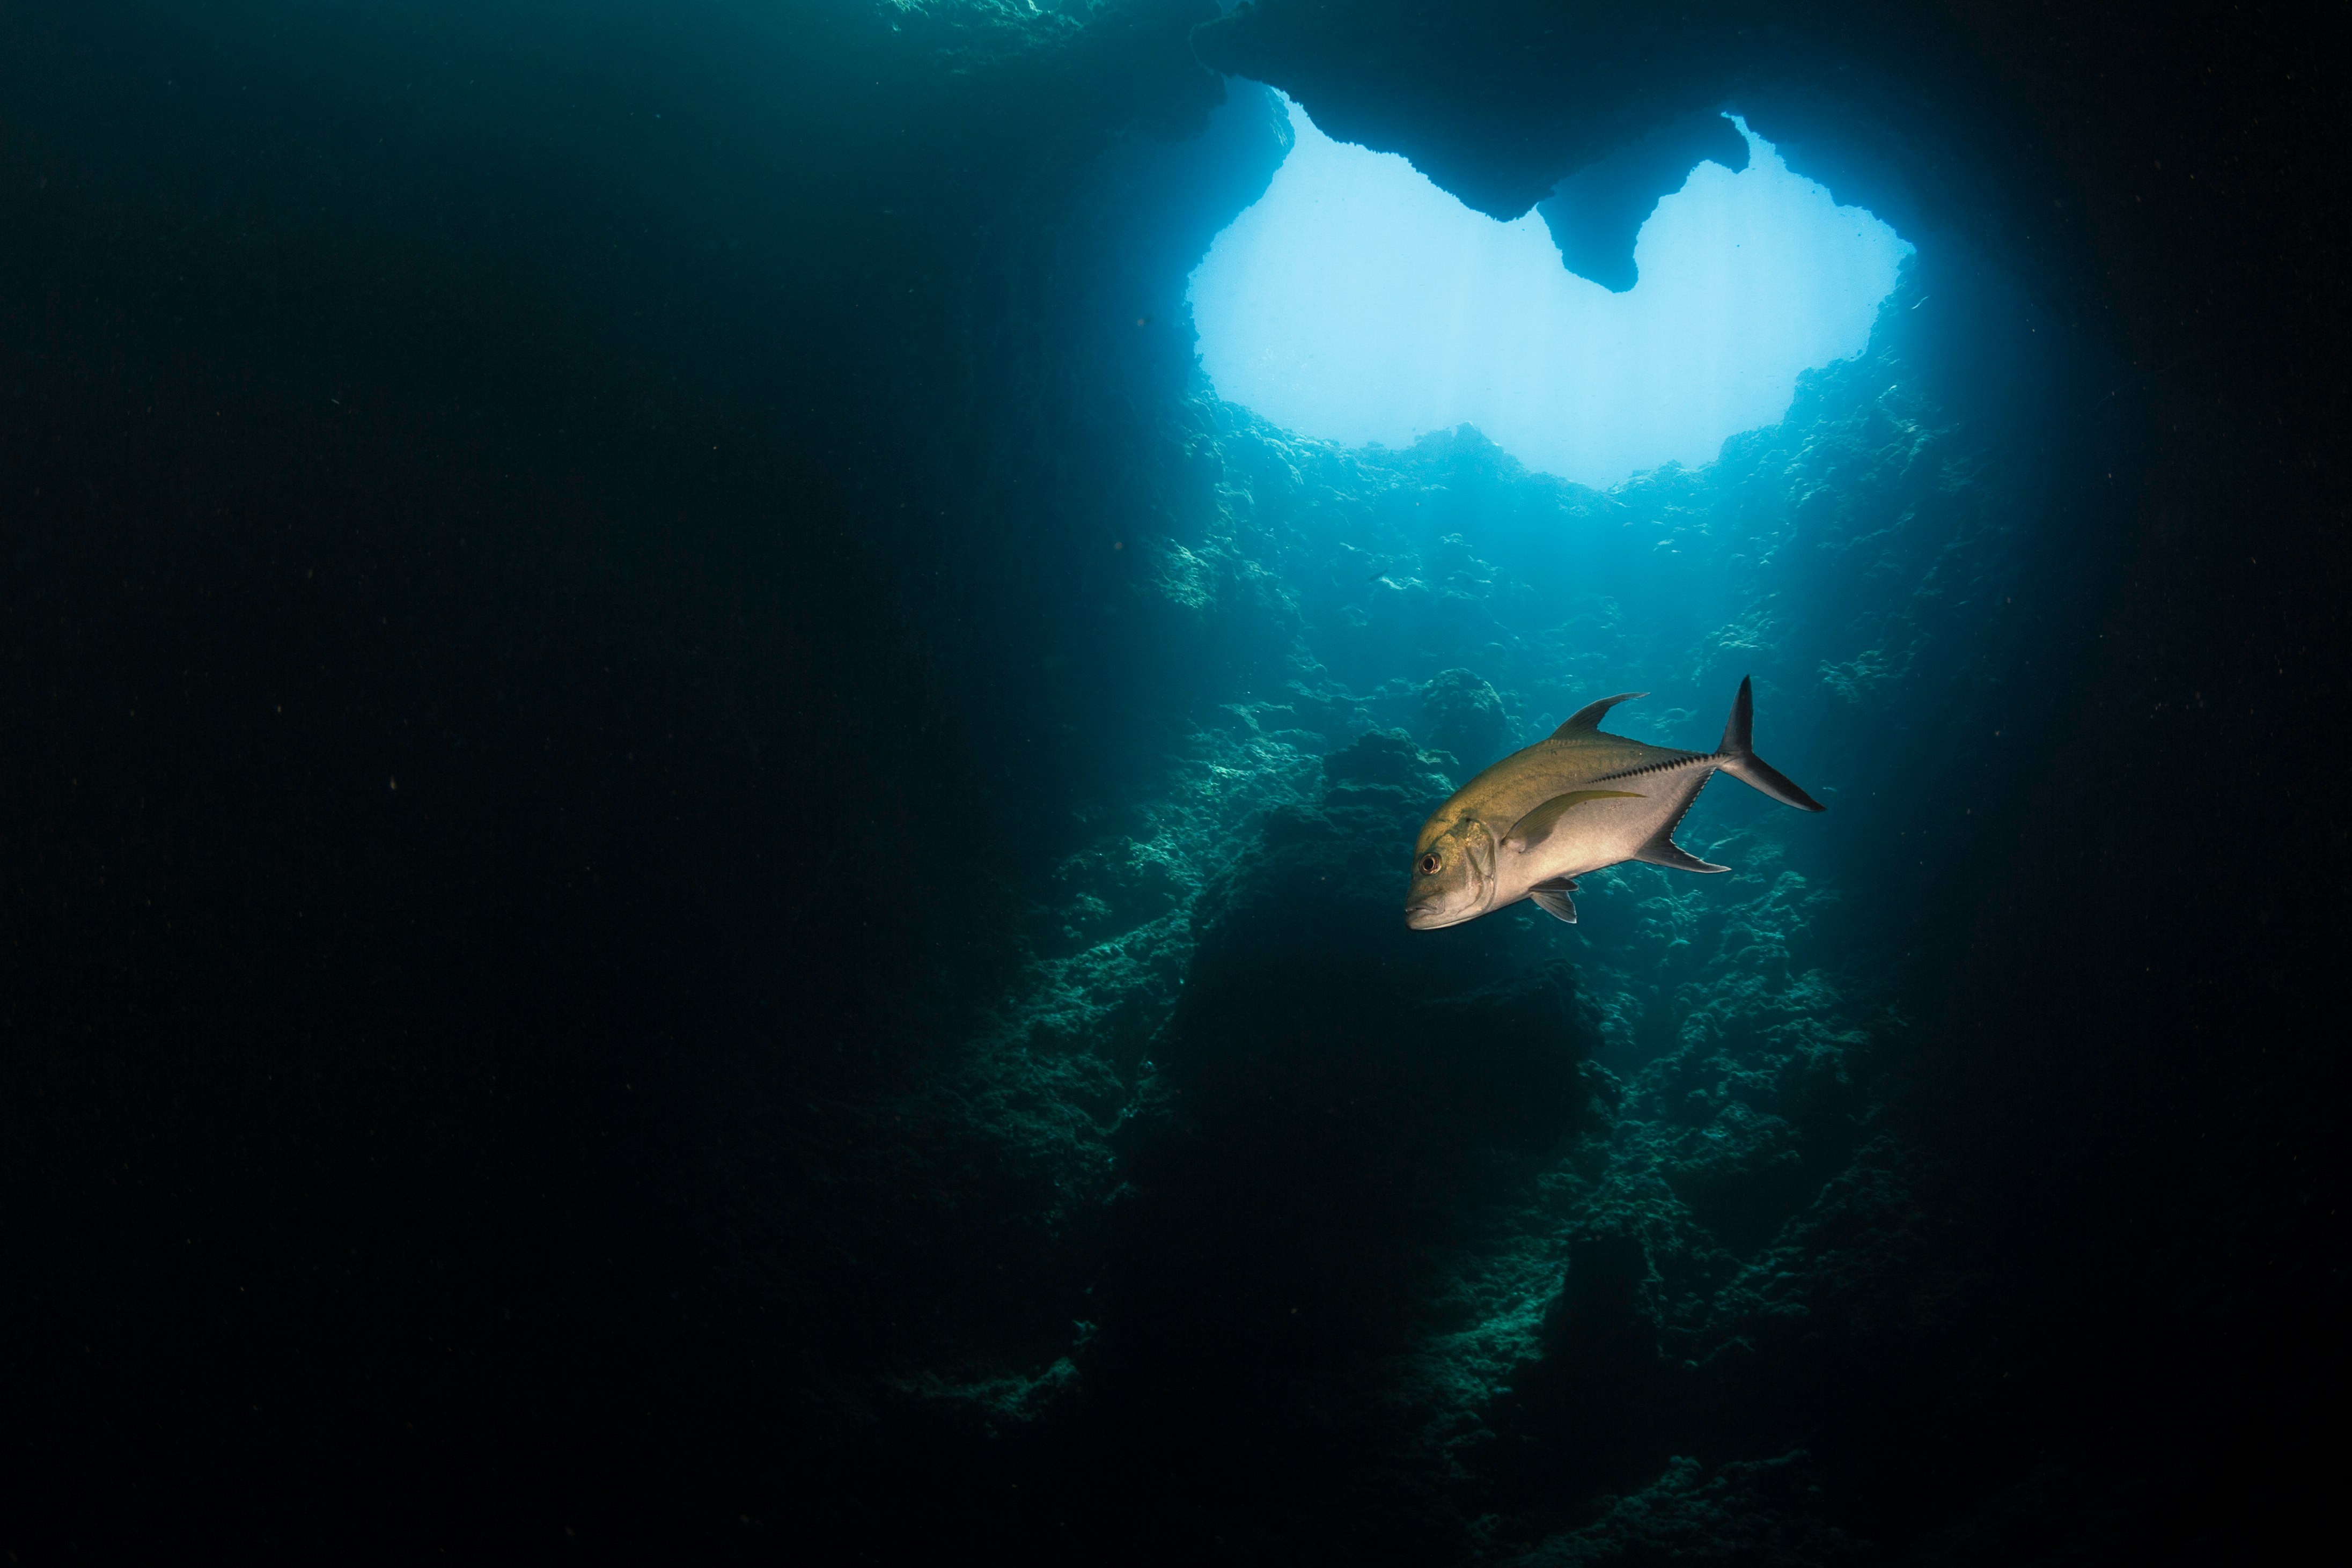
x=696 y=858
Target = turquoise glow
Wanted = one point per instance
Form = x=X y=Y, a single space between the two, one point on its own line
x=1358 y=303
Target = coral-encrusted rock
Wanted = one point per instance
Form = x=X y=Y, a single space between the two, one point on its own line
x=1385 y=758
x=1343 y=1089
x=1466 y=716
x=1305 y=973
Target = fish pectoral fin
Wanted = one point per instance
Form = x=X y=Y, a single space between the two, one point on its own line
x=1551 y=897
x=1663 y=851
x=1536 y=825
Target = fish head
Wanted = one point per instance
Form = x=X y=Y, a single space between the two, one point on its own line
x=1452 y=875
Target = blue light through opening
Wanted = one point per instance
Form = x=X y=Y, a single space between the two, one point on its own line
x=1357 y=302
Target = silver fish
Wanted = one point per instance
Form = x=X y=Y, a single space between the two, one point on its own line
x=1572 y=803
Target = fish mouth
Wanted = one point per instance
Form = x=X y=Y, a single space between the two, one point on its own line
x=1428 y=915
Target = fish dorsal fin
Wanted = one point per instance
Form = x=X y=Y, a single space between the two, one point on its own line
x=1586 y=720
x=1551 y=897
x=1536 y=825
x=1663 y=851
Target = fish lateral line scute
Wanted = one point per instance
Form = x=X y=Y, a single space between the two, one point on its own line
x=1528 y=827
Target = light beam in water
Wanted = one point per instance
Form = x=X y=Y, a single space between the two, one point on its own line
x=1357 y=302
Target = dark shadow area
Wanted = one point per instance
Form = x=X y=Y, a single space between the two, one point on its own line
x=694 y=859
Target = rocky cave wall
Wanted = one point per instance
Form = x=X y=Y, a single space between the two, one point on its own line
x=1463 y=1239
x=1293 y=1326
x=890 y=1017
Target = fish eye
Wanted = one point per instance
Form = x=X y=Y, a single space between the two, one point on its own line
x=1429 y=865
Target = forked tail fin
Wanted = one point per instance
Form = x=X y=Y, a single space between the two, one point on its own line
x=1740 y=758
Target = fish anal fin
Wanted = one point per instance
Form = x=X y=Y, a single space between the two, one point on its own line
x=1586 y=720
x=1551 y=897
x=1537 y=824
x=1663 y=851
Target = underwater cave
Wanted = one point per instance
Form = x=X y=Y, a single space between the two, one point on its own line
x=1357 y=303
x=717 y=717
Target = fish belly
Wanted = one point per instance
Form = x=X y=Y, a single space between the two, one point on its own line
x=1597 y=833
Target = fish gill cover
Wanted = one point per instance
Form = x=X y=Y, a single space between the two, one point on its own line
x=703 y=845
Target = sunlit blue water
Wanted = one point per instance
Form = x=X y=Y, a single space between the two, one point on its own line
x=1358 y=303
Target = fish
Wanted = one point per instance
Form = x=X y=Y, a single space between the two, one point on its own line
x=1571 y=804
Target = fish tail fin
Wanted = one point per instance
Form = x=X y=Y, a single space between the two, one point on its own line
x=1739 y=758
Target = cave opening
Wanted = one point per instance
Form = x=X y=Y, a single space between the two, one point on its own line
x=1356 y=301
